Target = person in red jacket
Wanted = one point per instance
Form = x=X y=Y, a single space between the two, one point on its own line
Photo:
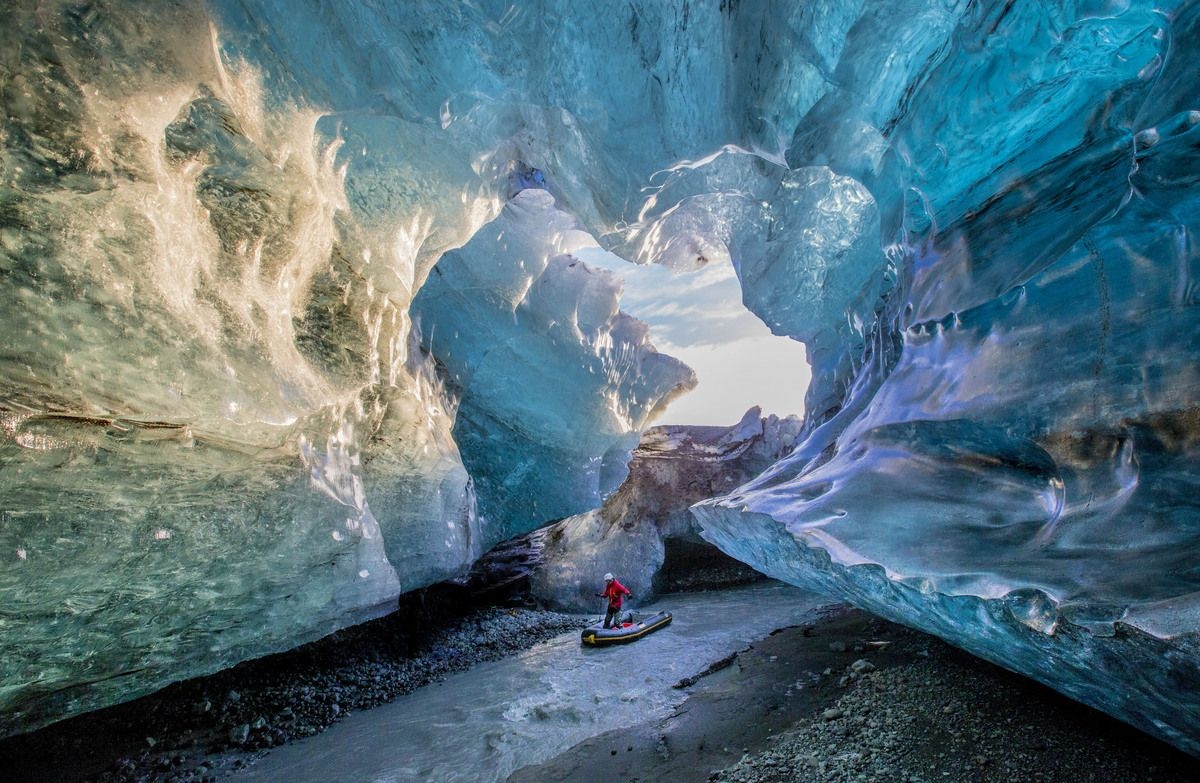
x=615 y=592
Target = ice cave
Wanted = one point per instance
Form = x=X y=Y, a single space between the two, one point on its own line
x=297 y=317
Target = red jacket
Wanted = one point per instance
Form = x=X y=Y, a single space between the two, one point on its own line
x=614 y=591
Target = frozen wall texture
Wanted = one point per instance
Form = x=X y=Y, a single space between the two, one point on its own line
x=292 y=322
x=1004 y=430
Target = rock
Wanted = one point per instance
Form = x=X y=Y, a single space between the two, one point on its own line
x=238 y=735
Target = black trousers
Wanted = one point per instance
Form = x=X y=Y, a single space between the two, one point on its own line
x=613 y=612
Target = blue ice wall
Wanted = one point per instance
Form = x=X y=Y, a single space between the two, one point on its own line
x=1003 y=448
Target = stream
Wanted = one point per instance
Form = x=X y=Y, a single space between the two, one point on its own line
x=481 y=725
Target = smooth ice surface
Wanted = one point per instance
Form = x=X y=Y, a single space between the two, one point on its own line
x=221 y=435
x=480 y=726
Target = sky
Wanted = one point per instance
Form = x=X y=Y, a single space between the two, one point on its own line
x=698 y=317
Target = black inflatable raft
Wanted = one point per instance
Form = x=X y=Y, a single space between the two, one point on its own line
x=632 y=628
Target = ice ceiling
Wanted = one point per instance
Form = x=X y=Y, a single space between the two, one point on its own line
x=293 y=321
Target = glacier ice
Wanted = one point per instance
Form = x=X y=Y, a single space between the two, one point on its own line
x=223 y=435
x=1003 y=451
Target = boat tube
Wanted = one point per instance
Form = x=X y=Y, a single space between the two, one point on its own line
x=631 y=628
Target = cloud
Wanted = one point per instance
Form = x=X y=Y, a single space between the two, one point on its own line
x=771 y=372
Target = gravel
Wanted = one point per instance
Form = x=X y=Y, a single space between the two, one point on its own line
x=945 y=716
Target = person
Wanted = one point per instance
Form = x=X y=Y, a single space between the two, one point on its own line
x=615 y=592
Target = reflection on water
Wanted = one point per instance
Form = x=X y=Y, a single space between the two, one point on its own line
x=481 y=725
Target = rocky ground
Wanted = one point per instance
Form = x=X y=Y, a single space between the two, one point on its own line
x=854 y=699
x=847 y=699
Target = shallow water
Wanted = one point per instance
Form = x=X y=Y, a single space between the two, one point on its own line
x=481 y=725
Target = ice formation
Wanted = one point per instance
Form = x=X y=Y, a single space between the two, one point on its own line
x=554 y=382
x=1003 y=426
x=222 y=433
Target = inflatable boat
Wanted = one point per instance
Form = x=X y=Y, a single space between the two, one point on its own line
x=631 y=628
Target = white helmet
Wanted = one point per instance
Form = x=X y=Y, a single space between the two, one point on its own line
x=608 y=577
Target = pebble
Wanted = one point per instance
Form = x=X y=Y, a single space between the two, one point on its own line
x=912 y=724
